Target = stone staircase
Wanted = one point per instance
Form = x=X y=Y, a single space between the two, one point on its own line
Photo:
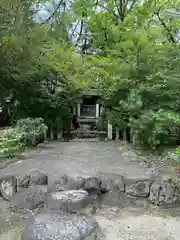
x=88 y=131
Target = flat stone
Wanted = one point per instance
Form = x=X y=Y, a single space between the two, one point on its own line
x=28 y=198
x=8 y=186
x=48 y=226
x=66 y=201
x=115 y=198
x=33 y=178
x=138 y=187
x=111 y=181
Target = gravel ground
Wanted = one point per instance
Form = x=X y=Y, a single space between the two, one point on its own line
x=86 y=158
x=143 y=227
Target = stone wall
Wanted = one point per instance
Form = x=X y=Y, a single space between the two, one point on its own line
x=108 y=189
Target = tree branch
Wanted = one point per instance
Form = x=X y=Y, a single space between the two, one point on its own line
x=80 y=32
x=74 y=29
x=171 y=37
x=132 y=5
x=55 y=11
x=105 y=8
x=119 y=9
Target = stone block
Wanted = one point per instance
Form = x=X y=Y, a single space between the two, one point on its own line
x=66 y=201
x=110 y=181
x=138 y=187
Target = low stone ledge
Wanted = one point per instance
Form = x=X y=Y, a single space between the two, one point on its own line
x=112 y=189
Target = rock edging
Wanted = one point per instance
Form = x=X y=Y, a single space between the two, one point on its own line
x=108 y=189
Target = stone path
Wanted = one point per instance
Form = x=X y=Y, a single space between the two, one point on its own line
x=83 y=158
x=87 y=158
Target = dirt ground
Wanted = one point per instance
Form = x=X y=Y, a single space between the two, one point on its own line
x=129 y=225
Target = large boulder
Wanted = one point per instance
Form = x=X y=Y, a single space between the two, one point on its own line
x=66 y=201
x=8 y=186
x=28 y=198
x=33 y=178
x=115 y=198
x=48 y=226
x=138 y=187
x=164 y=193
x=110 y=181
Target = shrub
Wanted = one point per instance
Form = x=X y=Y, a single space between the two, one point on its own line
x=27 y=132
x=154 y=128
x=32 y=129
x=10 y=142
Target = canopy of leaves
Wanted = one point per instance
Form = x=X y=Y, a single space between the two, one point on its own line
x=40 y=70
x=130 y=50
x=134 y=61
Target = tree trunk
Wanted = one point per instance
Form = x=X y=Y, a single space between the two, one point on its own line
x=117 y=133
x=124 y=135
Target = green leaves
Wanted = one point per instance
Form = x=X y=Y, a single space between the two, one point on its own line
x=27 y=132
x=136 y=67
x=10 y=142
x=128 y=51
x=31 y=130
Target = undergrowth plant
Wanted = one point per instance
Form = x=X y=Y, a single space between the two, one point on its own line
x=11 y=142
x=27 y=132
x=32 y=130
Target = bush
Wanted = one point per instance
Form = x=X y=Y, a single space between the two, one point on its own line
x=27 y=132
x=32 y=129
x=154 y=128
x=10 y=142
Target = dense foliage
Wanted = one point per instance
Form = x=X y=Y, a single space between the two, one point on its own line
x=26 y=133
x=136 y=66
x=127 y=49
x=40 y=71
